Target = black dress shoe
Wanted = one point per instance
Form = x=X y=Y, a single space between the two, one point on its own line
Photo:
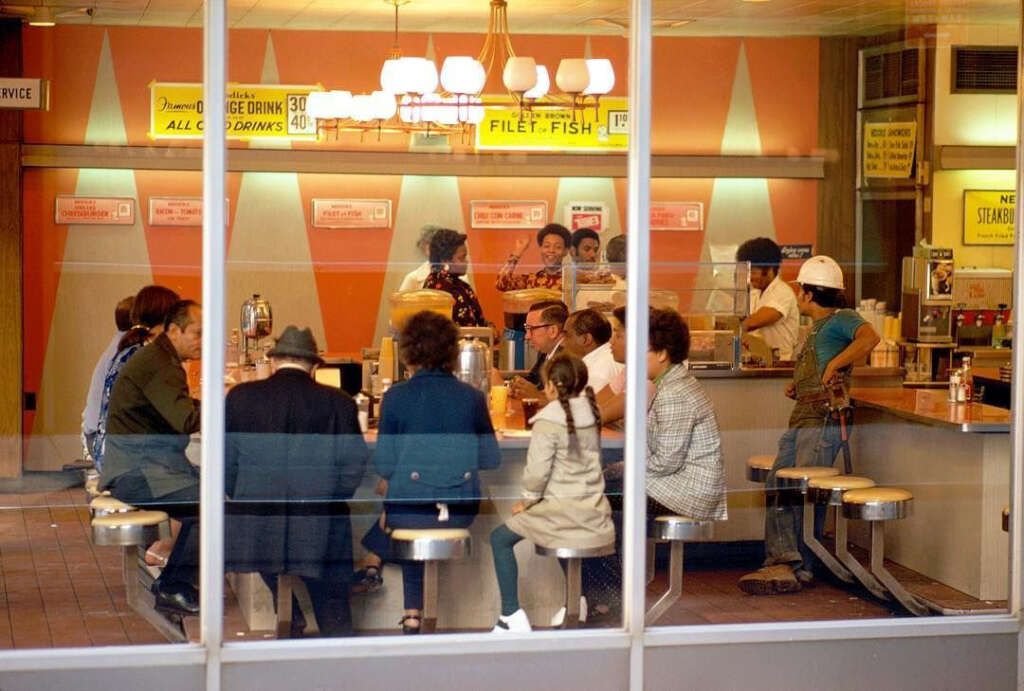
x=175 y=598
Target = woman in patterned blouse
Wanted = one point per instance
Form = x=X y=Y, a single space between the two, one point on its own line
x=448 y=263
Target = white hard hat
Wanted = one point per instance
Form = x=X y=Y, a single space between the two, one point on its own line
x=821 y=271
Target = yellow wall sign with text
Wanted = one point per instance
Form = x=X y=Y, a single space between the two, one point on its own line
x=889 y=149
x=989 y=216
x=550 y=129
x=254 y=111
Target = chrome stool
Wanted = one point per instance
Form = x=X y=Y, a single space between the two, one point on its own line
x=104 y=505
x=828 y=491
x=130 y=528
x=878 y=505
x=574 y=575
x=758 y=468
x=430 y=547
x=675 y=530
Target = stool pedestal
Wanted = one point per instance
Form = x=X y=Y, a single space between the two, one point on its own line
x=573 y=575
x=676 y=530
x=796 y=480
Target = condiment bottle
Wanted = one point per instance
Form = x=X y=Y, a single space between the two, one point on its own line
x=363 y=408
x=954 y=385
x=999 y=329
x=968 y=380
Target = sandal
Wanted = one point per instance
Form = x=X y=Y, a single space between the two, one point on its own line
x=367 y=580
x=410 y=630
x=153 y=558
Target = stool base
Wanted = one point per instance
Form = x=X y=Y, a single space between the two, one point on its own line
x=675 y=581
x=840 y=571
x=904 y=597
x=848 y=560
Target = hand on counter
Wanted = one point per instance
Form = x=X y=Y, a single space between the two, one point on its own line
x=520 y=388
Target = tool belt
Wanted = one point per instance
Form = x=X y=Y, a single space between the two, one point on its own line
x=813 y=397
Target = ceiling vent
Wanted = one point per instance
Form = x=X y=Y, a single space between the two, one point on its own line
x=892 y=74
x=983 y=70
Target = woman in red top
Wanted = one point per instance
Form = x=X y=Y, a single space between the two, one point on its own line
x=448 y=263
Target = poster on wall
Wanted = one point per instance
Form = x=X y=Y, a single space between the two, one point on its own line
x=108 y=211
x=677 y=216
x=254 y=111
x=989 y=216
x=593 y=215
x=889 y=149
x=351 y=213
x=508 y=214
x=505 y=127
x=176 y=211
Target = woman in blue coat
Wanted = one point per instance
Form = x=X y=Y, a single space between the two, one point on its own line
x=435 y=434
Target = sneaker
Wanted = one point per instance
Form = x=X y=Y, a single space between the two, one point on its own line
x=770 y=580
x=517 y=622
x=559 y=617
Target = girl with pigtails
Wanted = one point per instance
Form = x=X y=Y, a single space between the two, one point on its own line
x=563 y=502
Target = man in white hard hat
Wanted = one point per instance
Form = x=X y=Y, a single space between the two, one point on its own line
x=838 y=339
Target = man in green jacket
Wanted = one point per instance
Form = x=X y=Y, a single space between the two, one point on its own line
x=151 y=417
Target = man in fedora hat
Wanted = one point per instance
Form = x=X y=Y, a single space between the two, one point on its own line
x=293 y=454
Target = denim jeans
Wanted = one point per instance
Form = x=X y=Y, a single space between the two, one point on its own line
x=811 y=440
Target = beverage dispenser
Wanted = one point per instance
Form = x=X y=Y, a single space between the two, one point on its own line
x=403 y=305
x=257 y=321
x=927 y=295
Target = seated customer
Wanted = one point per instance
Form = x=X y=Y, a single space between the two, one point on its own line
x=434 y=437
x=545 y=331
x=292 y=464
x=448 y=266
x=612 y=398
x=93 y=400
x=587 y=333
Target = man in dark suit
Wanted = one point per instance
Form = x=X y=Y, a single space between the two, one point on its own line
x=294 y=453
x=545 y=328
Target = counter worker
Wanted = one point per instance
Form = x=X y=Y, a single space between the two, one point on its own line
x=838 y=339
x=415 y=278
x=773 y=311
x=615 y=274
x=545 y=330
x=553 y=242
x=586 y=246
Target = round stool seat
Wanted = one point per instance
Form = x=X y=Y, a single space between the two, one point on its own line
x=103 y=505
x=797 y=478
x=130 y=528
x=758 y=468
x=680 y=528
x=574 y=552
x=441 y=544
x=877 y=503
x=829 y=490
x=1006 y=518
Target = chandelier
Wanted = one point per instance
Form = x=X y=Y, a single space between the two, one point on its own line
x=409 y=99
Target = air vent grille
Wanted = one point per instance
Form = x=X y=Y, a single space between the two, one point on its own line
x=984 y=69
x=891 y=76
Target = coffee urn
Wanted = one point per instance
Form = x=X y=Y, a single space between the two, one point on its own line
x=474 y=364
x=257 y=322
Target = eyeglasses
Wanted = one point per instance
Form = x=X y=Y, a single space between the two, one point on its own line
x=529 y=329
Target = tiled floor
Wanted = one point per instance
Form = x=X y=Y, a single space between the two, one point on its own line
x=58 y=590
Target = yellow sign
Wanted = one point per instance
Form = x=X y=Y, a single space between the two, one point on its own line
x=988 y=217
x=547 y=129
x=254 y=111
x=889 y=149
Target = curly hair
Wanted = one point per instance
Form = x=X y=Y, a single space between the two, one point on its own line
x=554 y=229
x=762 y=253
x=429 y=341
x=149 y=310
x=443 y=244
x=569 y=376
x=667 y=331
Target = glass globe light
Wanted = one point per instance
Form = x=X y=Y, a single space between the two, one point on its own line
x=602 y=76
x=572 y=76
x=520 y=74
x=461 y=74
x=540 y=89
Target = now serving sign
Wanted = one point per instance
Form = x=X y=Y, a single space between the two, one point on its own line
x=24 y=94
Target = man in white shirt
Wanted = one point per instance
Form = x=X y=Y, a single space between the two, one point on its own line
x=415 y=278
x=773 y=311
x=587 y=336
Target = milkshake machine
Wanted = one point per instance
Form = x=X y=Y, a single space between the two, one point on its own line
x=257 y=322
x=927 y=296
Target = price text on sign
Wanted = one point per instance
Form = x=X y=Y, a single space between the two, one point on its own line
x=254 y=111
x=508 y=214
x=677 y=216
x=113 y=211
x=989 y=216
x=175 y=211
x=351 y=213
x=889 y=149
x=555 y=130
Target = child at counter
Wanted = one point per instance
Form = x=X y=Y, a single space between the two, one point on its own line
x=563 y=501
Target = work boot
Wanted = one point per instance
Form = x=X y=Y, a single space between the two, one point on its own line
x=770 y=580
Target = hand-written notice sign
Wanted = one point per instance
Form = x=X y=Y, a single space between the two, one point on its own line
x=593 y=215
x=24 y=94
x=115 y=211
x=508 y=214
x=546 y=129
x=677 y=216
x=989 y=216
x=254 y=111
x=175 y=211
x=796 y=251
x=889 y=149
x=351 y=213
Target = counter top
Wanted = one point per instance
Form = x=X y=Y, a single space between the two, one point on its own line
x=930 y=407
x=787 y=372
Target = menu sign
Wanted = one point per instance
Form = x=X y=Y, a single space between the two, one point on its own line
x=254 y=111
x=505 y=127
x=677 y=216
x=175 y=211
x=989 y=216
x=889 y=149
x=593 y=215
x=24 y=94
x=351 y=213
x=71 y=210
x=508 y=214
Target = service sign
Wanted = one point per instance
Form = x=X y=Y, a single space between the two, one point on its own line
x=593 y=215
x=110 y=211
x=508 y=214
x=24 y=94
x=351 y=213
x=175 y=211
x=549 y=129
x=254 y=111
x=989 y=216
x=889 y=149
x=677 y=216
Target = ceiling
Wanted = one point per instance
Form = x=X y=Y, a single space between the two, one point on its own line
x=705 y=17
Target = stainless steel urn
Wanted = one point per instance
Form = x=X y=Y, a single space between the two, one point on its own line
x=257 y=322
x=473 y=365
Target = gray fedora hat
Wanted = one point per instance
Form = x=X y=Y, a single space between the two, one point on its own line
x=296 y=343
